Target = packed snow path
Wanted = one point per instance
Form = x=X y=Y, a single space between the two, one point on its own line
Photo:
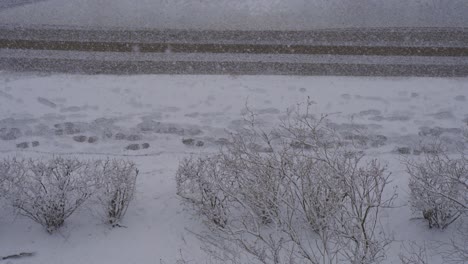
x=151 y=119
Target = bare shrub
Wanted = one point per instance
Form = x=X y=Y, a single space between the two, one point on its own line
x=456 y=250
x=116 y=187
x=412 y=253
x=48 y=191
x=439 y=192
x=4 y=172
x=439 y=187
x=269 y=201
x=196 y=183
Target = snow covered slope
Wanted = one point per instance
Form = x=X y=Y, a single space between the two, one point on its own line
x=162 y=110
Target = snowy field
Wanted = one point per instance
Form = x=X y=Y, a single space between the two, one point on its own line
x=240 y=15
x=43 y=115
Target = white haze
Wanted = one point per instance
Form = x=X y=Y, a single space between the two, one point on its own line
x=239 y=14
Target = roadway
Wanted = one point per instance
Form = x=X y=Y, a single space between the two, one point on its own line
x=438 y=52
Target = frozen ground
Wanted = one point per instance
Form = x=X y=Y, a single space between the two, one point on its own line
x=113 y=115
x=243 y=14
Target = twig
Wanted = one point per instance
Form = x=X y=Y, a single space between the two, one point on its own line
x=20 y=255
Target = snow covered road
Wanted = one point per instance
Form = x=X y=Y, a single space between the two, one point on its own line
x=105 y=63
x=351 y=52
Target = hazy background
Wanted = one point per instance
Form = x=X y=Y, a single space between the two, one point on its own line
x=237 y=14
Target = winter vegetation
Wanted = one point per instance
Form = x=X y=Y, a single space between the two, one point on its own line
x=296 y=193
x=48 y=191
x=352 y=186
x=439 y=187
x=307 y=197
x=116 y=181
x=439 y=193
x=301 y=193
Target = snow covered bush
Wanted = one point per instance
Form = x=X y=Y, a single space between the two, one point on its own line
x=439 y=193
x=116 y=187
x=4 y=169
x=48 y=191
x=196 y=183
x=439 y=187
x=456 y=250
x=412 y=253
x=268 y=201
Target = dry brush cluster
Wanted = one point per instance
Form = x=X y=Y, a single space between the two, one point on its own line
x=49 y=191
x=439 y=194
x=295 y=194
x=303 y=193
x=439 y=187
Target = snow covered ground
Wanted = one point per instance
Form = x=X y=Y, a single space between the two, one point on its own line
x=120 y=111
x=243 y=14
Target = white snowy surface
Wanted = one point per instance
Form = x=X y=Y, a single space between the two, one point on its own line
x=242 y=14
x=164 y=109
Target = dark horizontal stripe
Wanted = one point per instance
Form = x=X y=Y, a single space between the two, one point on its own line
x=238 y=68
x=4 y=4
x=360 y=36
x=232 y=48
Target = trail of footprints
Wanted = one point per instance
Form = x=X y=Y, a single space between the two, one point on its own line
x=25 y=145
x=118 y=136
x=103 y=129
